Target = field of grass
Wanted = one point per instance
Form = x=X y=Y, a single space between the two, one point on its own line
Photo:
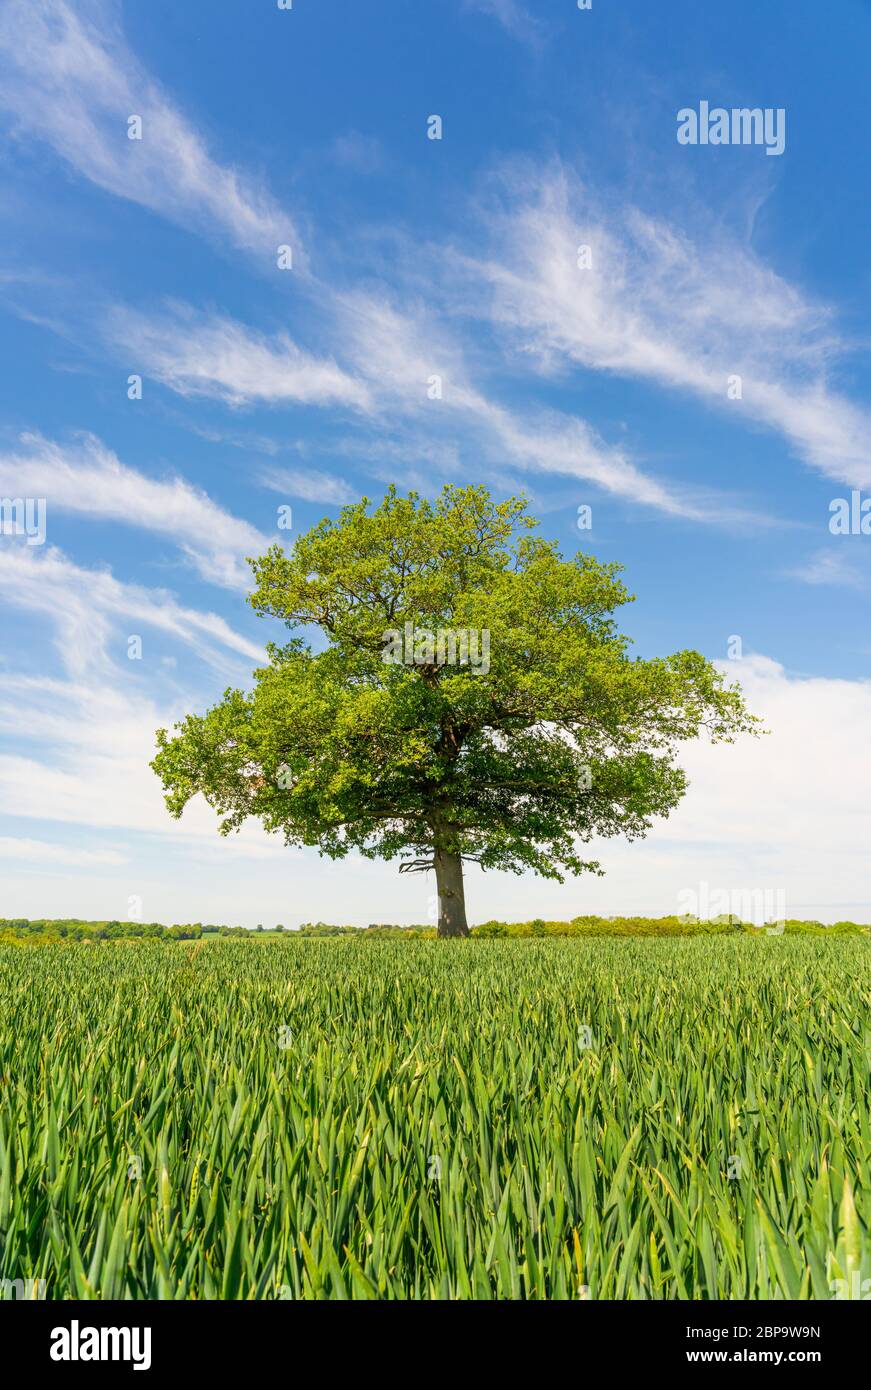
x=609 y=1118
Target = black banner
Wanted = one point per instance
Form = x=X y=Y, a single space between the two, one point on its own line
x=138 y=1339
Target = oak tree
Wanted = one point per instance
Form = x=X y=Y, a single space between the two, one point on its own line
x=468 y=697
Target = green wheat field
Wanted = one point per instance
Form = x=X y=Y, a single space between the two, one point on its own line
x=602 y=1119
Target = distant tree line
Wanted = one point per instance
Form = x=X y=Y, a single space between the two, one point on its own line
x=76 y=929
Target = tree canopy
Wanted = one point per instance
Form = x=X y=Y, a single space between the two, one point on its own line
x=471 y=699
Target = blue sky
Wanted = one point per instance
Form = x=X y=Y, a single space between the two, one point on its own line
x=261 y=387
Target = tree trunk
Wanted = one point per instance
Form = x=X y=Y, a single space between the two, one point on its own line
x=452 y=899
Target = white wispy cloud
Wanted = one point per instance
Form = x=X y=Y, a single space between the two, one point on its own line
x=402 y=351
x=362 y=153
x=310 y=484
x=513 y=16
x=75 y=747
x=199 y=354
x=77 y=751
x=392 y=354
x=837 y=567
x=655 y=303
x=45 y=853
x=93 y=613
x=71 y=80
x=88 y=479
